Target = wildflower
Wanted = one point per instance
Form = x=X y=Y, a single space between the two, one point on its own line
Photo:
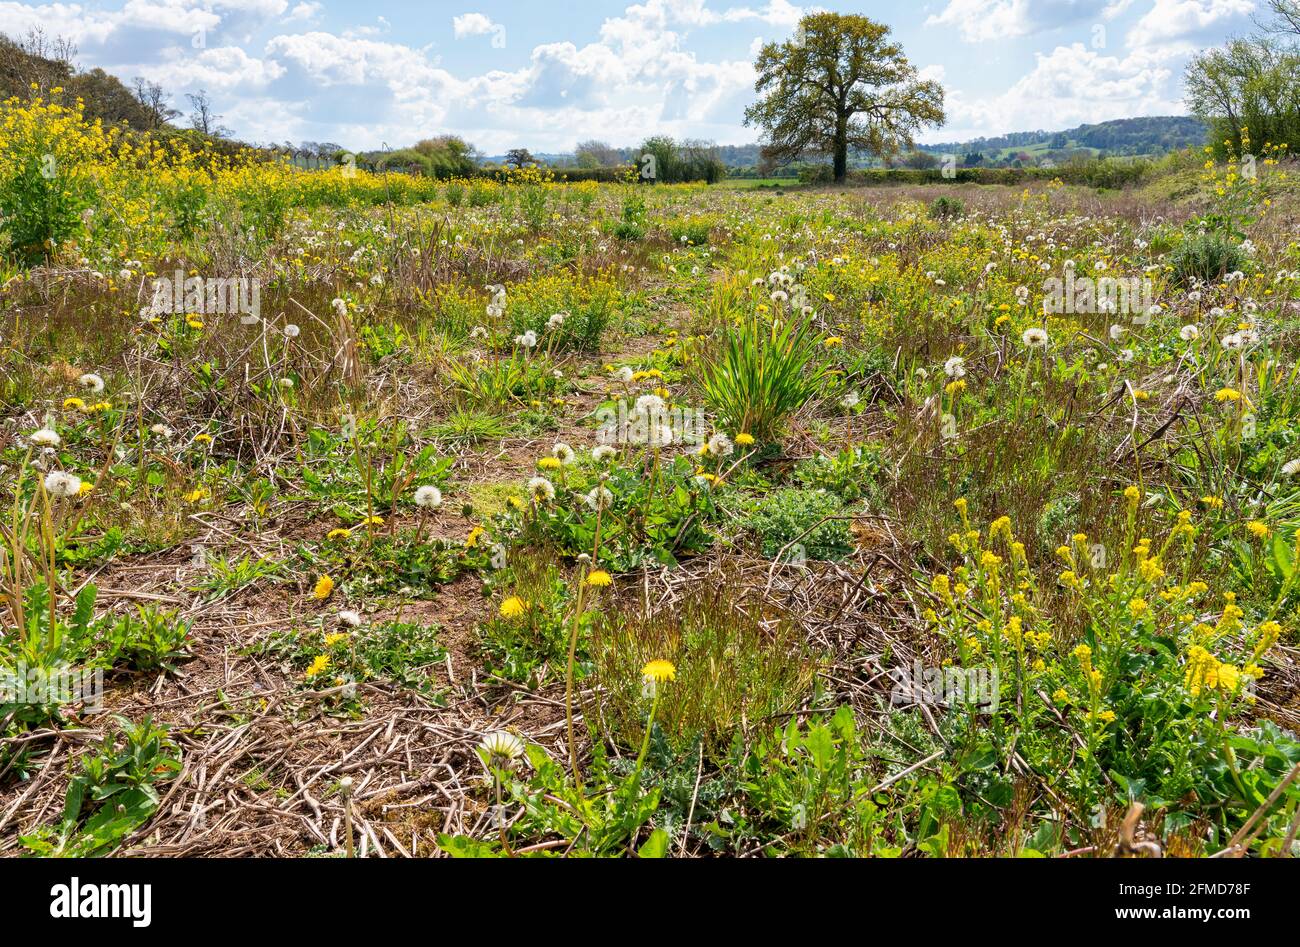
x=502 y=747
x=338 y=534
x=528 y=340
x=91 y=382
x=563 y=453
x=603 y=452
x=203 y=439
x=324 y=588
x=720 y=445
x=659 y=671
x=1227 y=394
x=1189 y=333
x=197 y=495
x=45 y=438
x=62 y=485
x=1034 y=338
x=1259 y=530
x=955 y=367
x=512 y=607
x=350 y=618
x=833 y=341
x=549 y=463
x=541 y=489
x=1106 y=716
x=747 y=440
x=291 y=331
x=955 y=387
x=1214 y=503
x=428 y=497
x=318 y=666
x=599 y=499
x=1291 y=467
x=1060 y=696
x=599 y=578
x=335 y=637
x=161 y=430
x=74 y=404
x=475 y=534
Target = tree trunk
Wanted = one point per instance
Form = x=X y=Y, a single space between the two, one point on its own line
x=841 y=150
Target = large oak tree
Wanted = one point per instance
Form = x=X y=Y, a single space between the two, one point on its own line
x=840 y=84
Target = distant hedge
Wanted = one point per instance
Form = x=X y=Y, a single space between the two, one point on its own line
x=1099 y=173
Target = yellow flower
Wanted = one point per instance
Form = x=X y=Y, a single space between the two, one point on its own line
x=549 y=463
x=317 y=666
x=659 y=671
x=471 y=541
x=332 y=639
x=324 y=588
x=1259 y=530
x=1060 y=696
x=833 y=341
x=1214 y=503
x=196 y=496
x=599 y=578
x=74 y=403
x=1106 y=716
x=202 y=438
x=512 y=607
x=338 y=534
x=1227 y=394
x=744 y=439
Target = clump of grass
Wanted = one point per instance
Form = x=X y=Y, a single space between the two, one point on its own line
x=739 y=666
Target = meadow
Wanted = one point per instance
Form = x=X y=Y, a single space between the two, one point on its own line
x=394 y=517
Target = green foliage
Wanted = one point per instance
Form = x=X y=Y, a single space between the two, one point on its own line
x=115 y=792
x=812 y=520
x=1206 y=257
x=762 y=374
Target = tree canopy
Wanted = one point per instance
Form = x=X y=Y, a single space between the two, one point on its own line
x=840 y=84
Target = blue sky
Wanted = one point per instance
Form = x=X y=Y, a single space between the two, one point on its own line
x=548 y=73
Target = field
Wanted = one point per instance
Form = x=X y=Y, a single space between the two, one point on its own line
x=413 y=518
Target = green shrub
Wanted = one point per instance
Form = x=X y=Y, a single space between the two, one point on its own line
x=944 y=207
x=1206 y=257
x=797 y=518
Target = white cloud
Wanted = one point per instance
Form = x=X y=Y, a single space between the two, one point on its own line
x=473 y=24
x=1071 y=85
x=1183 y=22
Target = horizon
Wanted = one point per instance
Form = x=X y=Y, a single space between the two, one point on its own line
x=506 y=77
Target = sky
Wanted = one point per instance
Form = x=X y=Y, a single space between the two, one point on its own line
x=546 y=74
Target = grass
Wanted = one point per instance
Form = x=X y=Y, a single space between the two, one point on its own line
x=515 y=506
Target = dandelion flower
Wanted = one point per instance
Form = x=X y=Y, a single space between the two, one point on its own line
x=541 y=489
x=512 y=607
x=1034 y=338
x=338 y=534
x=744 y=439
x=502 y=746
x=563 y=453
x=599 y=578
x=350 y=618
x=428 y=497
x=62 y=485
x=161 y=430
x=46 y=438
x=720 y=445
x=318 y=666
x=599 y=499
x=603 y=452
x=955 y=367
x=91 y=382
x=324 y=588
x=659 y=671
x=1189 y=333
x=1291 y=467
